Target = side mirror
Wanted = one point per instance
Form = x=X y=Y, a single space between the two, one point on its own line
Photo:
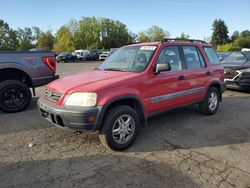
x=162 y=67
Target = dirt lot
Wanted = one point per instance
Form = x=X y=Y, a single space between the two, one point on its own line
x=180 y=148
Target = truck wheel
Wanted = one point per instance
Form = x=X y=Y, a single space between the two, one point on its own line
x=15 y=96
x=211 y=102
x=120 y=128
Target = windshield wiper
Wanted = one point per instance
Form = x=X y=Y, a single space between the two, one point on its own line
x=115 y=69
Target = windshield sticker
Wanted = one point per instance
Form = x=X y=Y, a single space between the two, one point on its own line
x=147 y=47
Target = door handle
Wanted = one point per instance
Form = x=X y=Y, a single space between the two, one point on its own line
x=208 y=73
x=181 y=77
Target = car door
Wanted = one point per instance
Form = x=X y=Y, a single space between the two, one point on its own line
x=167 y=89
x=197 y=73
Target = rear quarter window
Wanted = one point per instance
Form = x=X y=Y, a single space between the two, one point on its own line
x=212 y=56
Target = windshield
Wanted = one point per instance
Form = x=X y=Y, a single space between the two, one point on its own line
x=130 y=59
x=236 y=57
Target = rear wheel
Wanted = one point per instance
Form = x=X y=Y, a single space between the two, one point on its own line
x=211 y=102
x=15 y=96
x=120 y=128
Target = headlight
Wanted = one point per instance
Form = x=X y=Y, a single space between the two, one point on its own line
x=82 y=99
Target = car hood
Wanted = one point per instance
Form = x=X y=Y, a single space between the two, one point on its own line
x=233 y=65
x=87 y=81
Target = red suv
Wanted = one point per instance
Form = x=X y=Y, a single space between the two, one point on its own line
x=135 y=82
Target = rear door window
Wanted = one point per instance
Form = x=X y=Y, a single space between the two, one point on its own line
x=193 y=57
x=212 y=56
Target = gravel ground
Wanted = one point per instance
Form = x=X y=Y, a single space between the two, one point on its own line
x=180 y=148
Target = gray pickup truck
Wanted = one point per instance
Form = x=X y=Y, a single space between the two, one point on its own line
x=20 y=72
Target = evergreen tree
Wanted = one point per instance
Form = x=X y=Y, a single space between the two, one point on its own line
x=8 y=37
x=220 y=33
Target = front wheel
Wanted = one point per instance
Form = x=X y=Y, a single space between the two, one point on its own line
x=211 y=102
x=15 y=96
x=120 y=128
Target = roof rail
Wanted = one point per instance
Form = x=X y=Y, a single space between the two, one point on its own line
x=131 y=43
x=179 y=39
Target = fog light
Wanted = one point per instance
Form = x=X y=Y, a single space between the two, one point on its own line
x=91 y=118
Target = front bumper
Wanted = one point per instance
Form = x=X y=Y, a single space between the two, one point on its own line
x=240 y=82
x=70 y=117
x=236 y=84
x=223 y=86
x=237 y=79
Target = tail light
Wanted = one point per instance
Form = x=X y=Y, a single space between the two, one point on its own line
x=50 y=62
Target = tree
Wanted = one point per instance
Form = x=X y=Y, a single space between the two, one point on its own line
x=155 y=33
x=245 y=33
x=46 y=40
x=143 y=37
x=26 y=38
x=87 y=35
x=183 y=36
x=235 y=35
x=228 y=47
x=220 y=33
x=116 y=34
x=239 y=41
x=64 y=40
x=12 y=43
x=73 y=26
x=134 y=37
x=93 y=33
x=8 y=37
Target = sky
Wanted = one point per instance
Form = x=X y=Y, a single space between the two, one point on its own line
x=193 y=17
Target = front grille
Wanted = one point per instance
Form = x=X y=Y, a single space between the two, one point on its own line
x=230 y=74
x=53 y=96
x=56 y=119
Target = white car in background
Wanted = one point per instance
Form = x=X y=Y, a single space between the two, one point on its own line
x=104 y=55
x=82 y=54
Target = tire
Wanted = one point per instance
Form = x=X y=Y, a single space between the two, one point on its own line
x=211 y=102
x=15 y=96
x=119 y=140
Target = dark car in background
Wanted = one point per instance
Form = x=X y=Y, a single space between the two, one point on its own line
x=94 y=54
x=65 y=57
x=223 y=55
x=237 y=70
x=103 y=56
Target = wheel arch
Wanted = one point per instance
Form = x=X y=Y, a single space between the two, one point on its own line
x=17 y=74
x=131 y=101
x=218 y=87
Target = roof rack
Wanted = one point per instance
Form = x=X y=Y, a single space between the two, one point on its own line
x=179 y=39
